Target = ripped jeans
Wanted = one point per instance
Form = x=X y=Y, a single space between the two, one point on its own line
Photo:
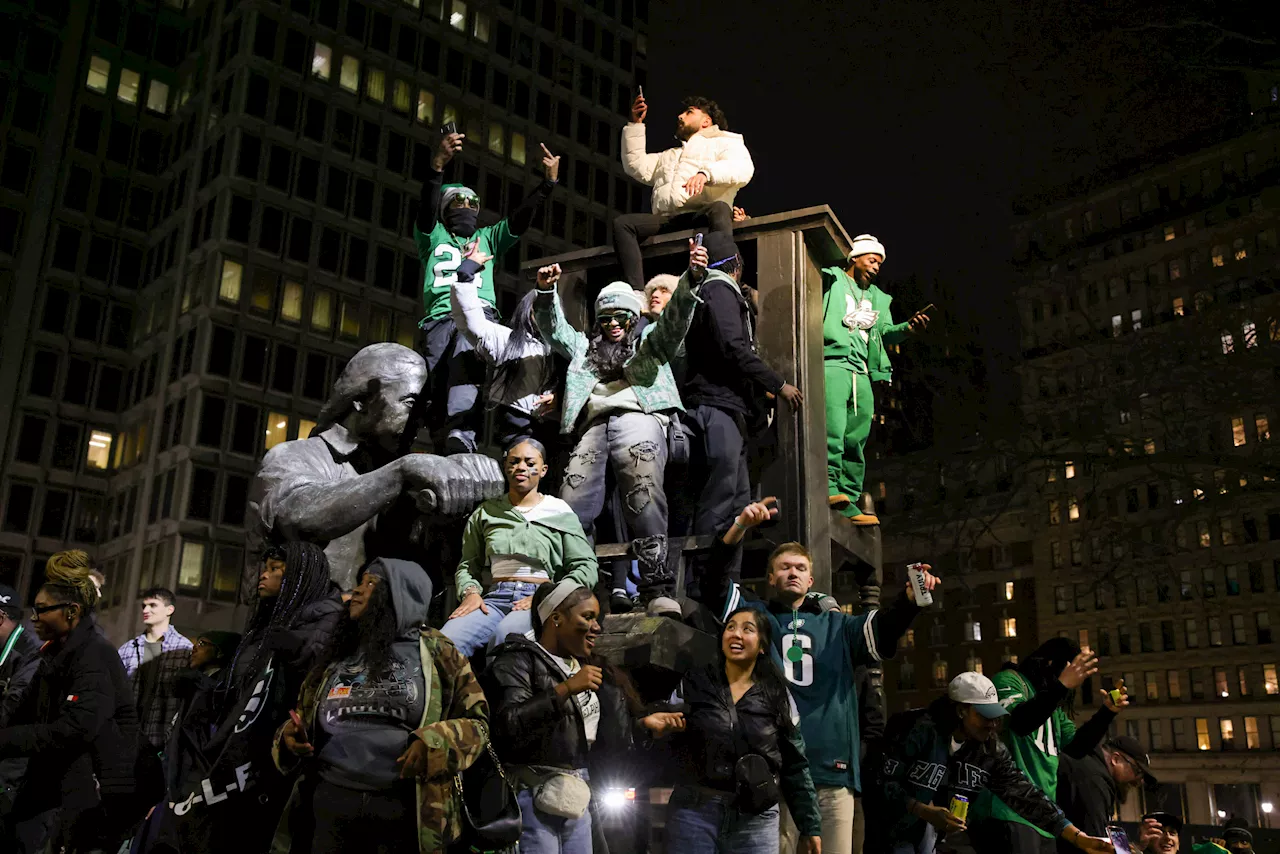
x=635 y=444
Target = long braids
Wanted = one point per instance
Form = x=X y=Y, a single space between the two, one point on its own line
x=306 y=580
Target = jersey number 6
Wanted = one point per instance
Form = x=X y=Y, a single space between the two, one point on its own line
x=798 y=672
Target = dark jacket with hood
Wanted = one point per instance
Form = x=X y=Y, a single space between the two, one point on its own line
x=16 y=673
x=920 y=766
x=719 y=732
x=1087 y=793
x=78 y=715
x=723 y=368
x=532 y=725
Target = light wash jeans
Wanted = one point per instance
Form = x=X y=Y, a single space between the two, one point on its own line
x=477 y=629
x=550 y=834
x=700 y=823
x=839 y=809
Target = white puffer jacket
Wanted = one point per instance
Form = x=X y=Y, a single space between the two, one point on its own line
x=723 y=156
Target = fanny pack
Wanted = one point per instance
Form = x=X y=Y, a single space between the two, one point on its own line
x=678 y=440
x=556 y=792
x=755 y=786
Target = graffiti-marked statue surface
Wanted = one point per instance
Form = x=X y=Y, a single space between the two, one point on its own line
x=340 y=486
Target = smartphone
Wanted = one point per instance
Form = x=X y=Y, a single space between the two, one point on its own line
x=928 y=307
x=697 y=239
x=1119 y=839
x=640 y=89
x=448 y=128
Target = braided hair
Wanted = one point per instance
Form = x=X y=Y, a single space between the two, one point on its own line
x=67 y=577
x=306 y=580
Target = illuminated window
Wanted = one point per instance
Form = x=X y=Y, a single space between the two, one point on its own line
x=349 y=318
x=277 y=429
x=939 y=672
x=1008 y=591
x=1250 y=331
x=291 y=302
x=305 y=426
x=1269 y=681
x=379 y=324
x=349 y=76
x=1238 y=250
x=375 y=85
x=1242 y=680
x=1117 y=324
x=1153 y=685
x=232 y=277
x=1050 y=473
x=1237 y=432
x=1228 y=343
x=99 y=73
x=401 y=97
x=158 y=97
x=973 y=663
x=449 y=114
x=191 y=567
x=98 y=454
x=1070 y=469
x=322 y=310
x=1202 y=733
x=1220 y=689
x=496 y=139
x=322 y=61
x=1263 y=428
x=1202 y=534
x=1227 y=732
x=426 y=106
x=1218 y=255
x=1148 y=446
x=1055 y=512
x=480 y=27
x=127 y=91
x=1251 y=740
x=406 y=330
x=1169 y=232
x=1083 y=636
x=1175 y=272
x=1175 y=684
x=909 y=640
x=1073 y=509
x=263 y=295
x=1135 y=317
x=1009 y=627
x=972 y=630
x=458 y=17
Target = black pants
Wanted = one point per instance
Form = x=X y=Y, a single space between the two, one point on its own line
x=1010 y=836
x=719 y=489
x=345 y=820
x=455 y=373
x=630 y=230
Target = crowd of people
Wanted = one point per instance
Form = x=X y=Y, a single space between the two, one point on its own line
x=340 y=718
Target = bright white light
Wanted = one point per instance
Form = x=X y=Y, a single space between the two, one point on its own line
x=1222 y=813
x=1225 y=694
x=615 y=799
x=1267 y=807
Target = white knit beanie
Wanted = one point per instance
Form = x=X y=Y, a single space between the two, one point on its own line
x=619 y=295
x=864 y=243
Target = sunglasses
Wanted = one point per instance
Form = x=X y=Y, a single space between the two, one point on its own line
x=465 y=202
x=41 y=610
x=621 y=318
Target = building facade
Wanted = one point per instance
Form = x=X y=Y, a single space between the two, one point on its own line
x=207 y=207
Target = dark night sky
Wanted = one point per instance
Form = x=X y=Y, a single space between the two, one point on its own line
x=916 y=120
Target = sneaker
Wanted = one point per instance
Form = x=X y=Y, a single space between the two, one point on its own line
x=620 y=602
x=663 y=606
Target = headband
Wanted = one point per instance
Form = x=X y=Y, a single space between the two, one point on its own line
x=558 y=595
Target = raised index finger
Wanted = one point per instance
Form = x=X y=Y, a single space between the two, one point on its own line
x=545 y=150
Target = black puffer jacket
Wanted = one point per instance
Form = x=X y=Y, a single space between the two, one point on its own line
x=78 y=715
x=533 y=726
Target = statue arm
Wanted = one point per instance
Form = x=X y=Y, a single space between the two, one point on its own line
x=310 y=508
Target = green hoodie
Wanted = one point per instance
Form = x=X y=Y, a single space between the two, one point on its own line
x=843 y=346
x=553 y=537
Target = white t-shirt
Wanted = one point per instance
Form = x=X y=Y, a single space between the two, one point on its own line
x=588 y=702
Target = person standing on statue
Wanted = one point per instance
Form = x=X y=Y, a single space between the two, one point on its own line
x=856 y=325
x=693 y=183
x=332 y=488
x=445 y=230
x=820 y=650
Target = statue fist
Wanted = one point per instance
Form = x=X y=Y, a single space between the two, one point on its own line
x=451 y=486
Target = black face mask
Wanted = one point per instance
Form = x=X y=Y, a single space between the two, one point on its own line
x=461 y=221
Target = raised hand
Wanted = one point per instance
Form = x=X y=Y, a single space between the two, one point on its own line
x=639 y=109
x=550 y=164
x=697 y=256
x=475 y=253
x=450 y=144
x=1081 y=668
x=758 y=512
x=1111 y=704
x=930 y=581
x=548 y=276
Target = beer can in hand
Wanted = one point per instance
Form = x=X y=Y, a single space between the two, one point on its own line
x=915 y=573
x=960 y=807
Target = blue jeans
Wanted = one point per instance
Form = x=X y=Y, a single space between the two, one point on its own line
x=541 y=833
x=474 y=630
x=700 y=823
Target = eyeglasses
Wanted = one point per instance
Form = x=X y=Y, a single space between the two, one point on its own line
x=1129 y=761
x=621 y=318
x=204 y=642
x=40 y=610
x=472 y=202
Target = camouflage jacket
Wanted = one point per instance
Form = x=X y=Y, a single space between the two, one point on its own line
x=648 y=371
x=455 y=726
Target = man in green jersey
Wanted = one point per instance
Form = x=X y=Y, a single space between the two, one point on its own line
x=1038 y=692
x=819 y=651
x=445 y=230
x=856 y=326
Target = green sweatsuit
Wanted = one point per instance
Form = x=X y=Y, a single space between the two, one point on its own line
x=856 y=324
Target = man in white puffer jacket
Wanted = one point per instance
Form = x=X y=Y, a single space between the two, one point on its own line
x=693 y=184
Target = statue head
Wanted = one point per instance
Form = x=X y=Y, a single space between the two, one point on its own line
x=376 y=396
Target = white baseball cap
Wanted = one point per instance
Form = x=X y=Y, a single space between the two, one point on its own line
x=977 y=691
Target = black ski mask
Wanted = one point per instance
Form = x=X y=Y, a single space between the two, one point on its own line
x=461 y=221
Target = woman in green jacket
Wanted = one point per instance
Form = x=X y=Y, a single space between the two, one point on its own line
x=522 y=539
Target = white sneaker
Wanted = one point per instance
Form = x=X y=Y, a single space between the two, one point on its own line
x=664 y=606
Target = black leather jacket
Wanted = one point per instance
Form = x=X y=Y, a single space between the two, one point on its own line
x=533 y=726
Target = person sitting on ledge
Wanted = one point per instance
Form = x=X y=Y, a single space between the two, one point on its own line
x=693 y=183
x=620 y=389
x=523 y=539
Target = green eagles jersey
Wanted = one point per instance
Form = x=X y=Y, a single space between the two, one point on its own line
x=1036 y=755
x=441 y=253
x=832 y=645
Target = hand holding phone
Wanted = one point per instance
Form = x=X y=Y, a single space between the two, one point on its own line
x=1119 y=839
